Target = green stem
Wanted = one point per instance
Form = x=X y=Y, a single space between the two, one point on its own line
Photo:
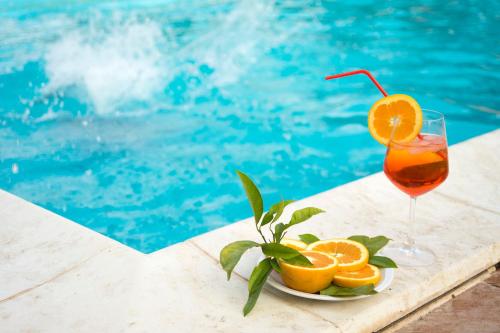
x=261 y=235
x=271 y=230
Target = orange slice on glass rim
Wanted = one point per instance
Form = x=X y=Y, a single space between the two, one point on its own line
x=367 y=275
x=351 y=255
x=396 y=115
x=310 y=279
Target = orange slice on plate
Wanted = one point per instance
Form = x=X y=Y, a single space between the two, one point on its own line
x=367 y=275
x=352 y=255
x=310 y=279
x=294 y=244
x=396 y=115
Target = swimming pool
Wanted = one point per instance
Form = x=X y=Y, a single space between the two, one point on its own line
x=131 y=117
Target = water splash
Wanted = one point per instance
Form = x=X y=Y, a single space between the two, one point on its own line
x=126 y=64
x=113 y=66
x=247 y=34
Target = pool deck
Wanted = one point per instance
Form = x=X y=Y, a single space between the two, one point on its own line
x=57 y=276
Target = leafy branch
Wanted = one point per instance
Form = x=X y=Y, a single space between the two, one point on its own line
x=275 y=252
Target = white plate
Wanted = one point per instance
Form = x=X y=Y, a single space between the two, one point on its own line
x=275 y=281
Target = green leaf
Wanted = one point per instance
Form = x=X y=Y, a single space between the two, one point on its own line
x=268 y=217
x=274 y=208
x=376 y=243
x=298 y=216
x=278 y=231
x=382 y=262
x=231 y=254
x=372 y=244
x=281 y=208
x=279 y=251
x=303 y=214
x=337 y=291
x=308 y=238
x=256 y=282
x=299 y=260
x=253 y=195
x=360 y=239
x=290 y=255
x=275 y=211
x=275 y=264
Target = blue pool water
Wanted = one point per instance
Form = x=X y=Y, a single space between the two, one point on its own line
x=131 y=117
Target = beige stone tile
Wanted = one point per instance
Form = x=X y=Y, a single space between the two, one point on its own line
x=213 y=242
x=474 y=172
x=178 y=289
x=95 y=296
x=184 y=290
x=37 y=245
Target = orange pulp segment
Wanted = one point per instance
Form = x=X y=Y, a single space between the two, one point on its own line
x=367 y=275
x=397 y=110
x=351 y=255
x=310 y=279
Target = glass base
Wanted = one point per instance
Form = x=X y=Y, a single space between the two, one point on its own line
x=411 y=256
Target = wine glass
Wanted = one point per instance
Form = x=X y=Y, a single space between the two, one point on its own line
x=417 y=167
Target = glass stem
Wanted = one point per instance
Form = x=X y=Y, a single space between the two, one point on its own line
x=410 y=242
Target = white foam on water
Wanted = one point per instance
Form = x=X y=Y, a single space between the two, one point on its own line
x=23 y=40
x=349 y=129
x=109 y=60
x=111 y=65
x=236 y=44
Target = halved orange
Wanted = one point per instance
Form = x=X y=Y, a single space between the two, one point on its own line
x=352 y=255
x=367 y=275
x=398 y=116
x=294 y=244
x=310 y=279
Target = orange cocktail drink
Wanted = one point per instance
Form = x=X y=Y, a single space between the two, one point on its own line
x=419 y=166
x=416 y=159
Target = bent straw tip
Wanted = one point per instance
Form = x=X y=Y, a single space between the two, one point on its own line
x=358 y=71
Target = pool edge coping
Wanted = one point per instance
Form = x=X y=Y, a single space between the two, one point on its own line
x=83 y=246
